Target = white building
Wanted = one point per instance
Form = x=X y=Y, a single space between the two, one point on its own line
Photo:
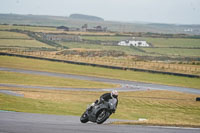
x=133 y=43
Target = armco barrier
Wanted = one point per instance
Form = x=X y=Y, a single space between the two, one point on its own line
x=104 y=66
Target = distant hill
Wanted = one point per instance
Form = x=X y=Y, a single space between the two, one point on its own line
x=46 y=20
x=85 y=17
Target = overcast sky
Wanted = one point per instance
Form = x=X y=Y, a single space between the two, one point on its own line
x=159 y=11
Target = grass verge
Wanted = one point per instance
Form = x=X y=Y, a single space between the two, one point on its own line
x=32 y=79
x=33 y=64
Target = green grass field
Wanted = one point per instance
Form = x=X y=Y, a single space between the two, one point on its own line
x=180 y=47
x=29 y=28
x=104 y=38
x=35 y=80
x=22 y=43
x=12 y=35
x=173 y=42
x=173 y=52
x=32 y=64
x=13 y=39
x=159 y=107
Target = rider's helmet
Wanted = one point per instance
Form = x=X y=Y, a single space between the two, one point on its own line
x=114 y=94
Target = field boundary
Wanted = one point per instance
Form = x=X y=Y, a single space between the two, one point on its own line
x=103 y=66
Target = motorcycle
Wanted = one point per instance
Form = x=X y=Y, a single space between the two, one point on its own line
x=99 y=113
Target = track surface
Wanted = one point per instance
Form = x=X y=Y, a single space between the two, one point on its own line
x=125 y=85
x=17 y=122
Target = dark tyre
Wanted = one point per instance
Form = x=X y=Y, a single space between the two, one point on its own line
x=102 y=117
x=198 y=99
x=84 y=118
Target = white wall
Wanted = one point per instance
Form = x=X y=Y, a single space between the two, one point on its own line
x=134 y=43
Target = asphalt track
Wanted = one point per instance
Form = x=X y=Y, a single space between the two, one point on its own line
x=125 y=85
x=17 y=122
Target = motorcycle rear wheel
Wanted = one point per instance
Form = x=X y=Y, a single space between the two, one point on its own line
x=102 y=117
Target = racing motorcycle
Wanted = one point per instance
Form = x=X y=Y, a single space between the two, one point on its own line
x=99 y=113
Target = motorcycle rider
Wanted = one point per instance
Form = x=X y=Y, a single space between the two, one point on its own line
x=106 y=97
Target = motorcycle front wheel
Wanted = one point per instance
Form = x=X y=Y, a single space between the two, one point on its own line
x=84 y=118
x=102 y=117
